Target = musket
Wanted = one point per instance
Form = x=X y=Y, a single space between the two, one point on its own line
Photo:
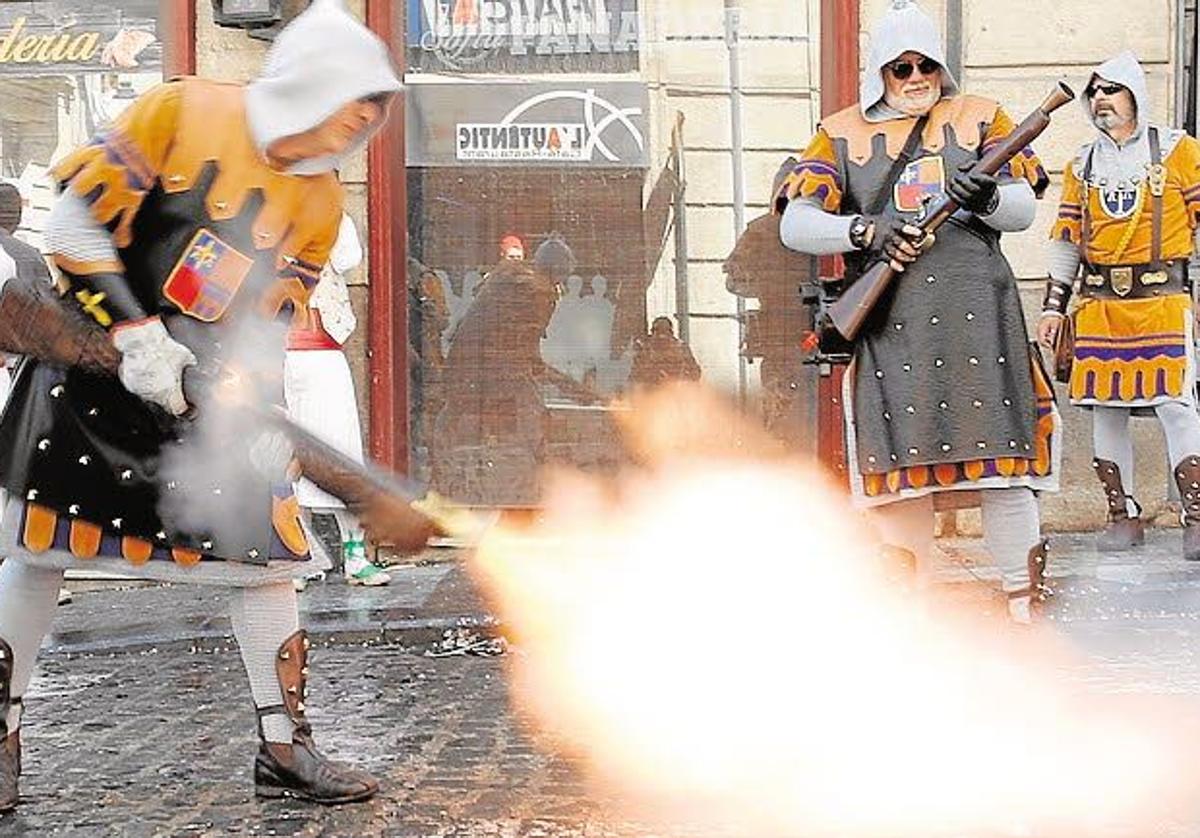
x=35 y=322
x=851 y=310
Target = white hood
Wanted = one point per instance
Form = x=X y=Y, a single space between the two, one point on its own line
x=1123 y=69
x=902 y=27
x=322 y=60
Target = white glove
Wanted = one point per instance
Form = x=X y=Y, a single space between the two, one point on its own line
x=8 y=268
x=152 y=364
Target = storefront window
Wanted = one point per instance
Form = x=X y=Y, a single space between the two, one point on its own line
x=66 y=68
x=571 y=224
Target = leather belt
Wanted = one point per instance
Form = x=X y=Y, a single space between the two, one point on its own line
x=1134 y=282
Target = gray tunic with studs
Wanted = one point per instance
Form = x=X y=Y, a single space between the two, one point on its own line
x=943 y=369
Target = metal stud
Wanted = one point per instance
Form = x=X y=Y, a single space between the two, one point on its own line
x=1012 y=443
x=895 y=459
x=85 y=460
x=307 y=643
x=970 y=316
x=946 y=447
x=887 y=416
x=172 y=485
x=977 y=403
x=931 y=279
x=933 y=321
x=56 y=392
x=879 y=373
x=217 y=491
x=1002 y=360
x=285 y=655
x=899 y=327
x=981 y=445
x=299 y=706
x=944 y=405
x=176 y=179
x=252 y=553
x=913 y=452
x=94 y=412
x=304 y=671
x=908 y=367
x=206 y=545
x=31 y=494
x=44 y=445
x=911 y=410
x=973 y=361
x=291 y=690
x=160 y=535
x=1008 y=402
x=222 y=205
x=127 y=474
x=73 y=509
x=117 y=522
x=938 y=362
x=871 y=460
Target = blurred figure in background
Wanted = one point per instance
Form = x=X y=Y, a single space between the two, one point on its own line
x=319 y=390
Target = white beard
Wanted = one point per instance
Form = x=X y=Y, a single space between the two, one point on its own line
x=914 y=105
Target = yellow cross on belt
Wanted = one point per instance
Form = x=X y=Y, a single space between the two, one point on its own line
x=91 y=305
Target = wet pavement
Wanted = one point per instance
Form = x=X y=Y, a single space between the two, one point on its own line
x=139 y=722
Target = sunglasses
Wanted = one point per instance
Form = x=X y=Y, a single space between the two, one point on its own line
x=903 y=69
x=1106 y=89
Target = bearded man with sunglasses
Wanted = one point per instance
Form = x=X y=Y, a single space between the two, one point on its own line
x=1128 y=217
x=943 y=394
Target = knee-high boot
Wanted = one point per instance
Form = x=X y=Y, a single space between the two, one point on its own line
x=1123 y=531
x=299 y=770
x=10 y=742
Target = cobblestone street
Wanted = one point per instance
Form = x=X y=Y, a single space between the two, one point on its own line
x=135 y=730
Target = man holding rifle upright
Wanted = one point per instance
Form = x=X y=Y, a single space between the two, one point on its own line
x=943 y=394
x=1128 y=216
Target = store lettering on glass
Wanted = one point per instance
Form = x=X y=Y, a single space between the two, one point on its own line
x=18 y=46
x=461 y=29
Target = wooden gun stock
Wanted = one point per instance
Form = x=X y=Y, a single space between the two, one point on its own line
x=851 y=310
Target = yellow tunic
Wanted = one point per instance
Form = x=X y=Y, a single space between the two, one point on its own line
x=1135 y=352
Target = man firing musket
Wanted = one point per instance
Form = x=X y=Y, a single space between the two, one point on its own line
x=943 y=394
x=204 y=211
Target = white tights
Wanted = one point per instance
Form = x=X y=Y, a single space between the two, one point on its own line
x=1011 y=528
x=263 y=617
x=1111 y=439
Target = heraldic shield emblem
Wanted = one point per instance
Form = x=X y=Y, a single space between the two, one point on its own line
x=1120 y=201
x=207 y=277
x=921 y=181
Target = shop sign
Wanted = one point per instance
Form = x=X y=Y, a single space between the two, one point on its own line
x=67 y=38
x=477 y=34
x=598 y=124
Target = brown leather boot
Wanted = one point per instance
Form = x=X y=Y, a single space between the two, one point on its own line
x=1025 y=604
x=10 y=743
x=1123 y=531
x=299 y=770
x=1187 y=477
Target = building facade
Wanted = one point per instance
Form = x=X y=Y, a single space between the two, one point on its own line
x=608 y=125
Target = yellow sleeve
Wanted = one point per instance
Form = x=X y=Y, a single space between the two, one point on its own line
x=321 y=221
x=1025 y=164
x=1186 y=164
x=816 y=177
x=1068 y=226
x=114 y=171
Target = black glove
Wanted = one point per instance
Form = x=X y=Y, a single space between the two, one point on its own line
x=895 y=240
x=973 y=191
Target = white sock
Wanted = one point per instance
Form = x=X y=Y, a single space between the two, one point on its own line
x=347 y=522
x=1011 y=528
x=28 y=602
x=1181 y=427
x=1111 y=441
x=263 y=617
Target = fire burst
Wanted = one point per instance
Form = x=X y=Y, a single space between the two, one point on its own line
x=713 y=632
